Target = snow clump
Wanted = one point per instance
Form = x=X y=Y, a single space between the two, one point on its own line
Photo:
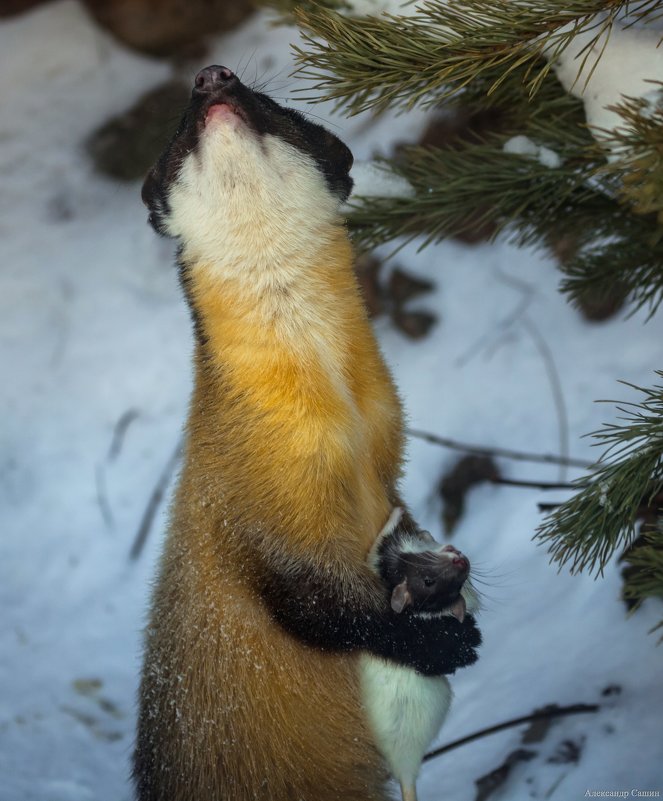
x=374 y=180
x=625 y=62
x=373 y=8
x=524 y=146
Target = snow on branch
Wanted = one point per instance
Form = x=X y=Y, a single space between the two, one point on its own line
x=603 y=70
x=375 y=179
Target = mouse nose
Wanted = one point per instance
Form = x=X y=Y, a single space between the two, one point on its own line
x=461 y=563
x=211 y=78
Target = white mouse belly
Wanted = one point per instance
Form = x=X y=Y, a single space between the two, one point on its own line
x=405 y=711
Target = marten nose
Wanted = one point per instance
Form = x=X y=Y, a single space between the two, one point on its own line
x=212 y=78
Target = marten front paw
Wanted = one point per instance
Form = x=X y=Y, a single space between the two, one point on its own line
x=436 y=645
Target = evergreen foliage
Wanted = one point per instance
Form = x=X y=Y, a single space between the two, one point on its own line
x=601 y=518
x=639 y=171
x=603 y=190
x=389 y=60
x=482 y=53
x=645 y=580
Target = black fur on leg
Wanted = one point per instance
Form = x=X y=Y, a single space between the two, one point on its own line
x=343 y=611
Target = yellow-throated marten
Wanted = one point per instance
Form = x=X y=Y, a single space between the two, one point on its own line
x=265 y=598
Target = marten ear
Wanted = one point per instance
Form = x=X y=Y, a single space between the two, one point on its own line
x=336 y=162
x=400 y=597
x=341 y=159
x=340 y=153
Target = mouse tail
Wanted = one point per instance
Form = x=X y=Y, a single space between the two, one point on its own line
x=408 y=792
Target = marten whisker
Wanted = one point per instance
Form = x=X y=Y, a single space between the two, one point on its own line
x=244 y=68
x=265 y=85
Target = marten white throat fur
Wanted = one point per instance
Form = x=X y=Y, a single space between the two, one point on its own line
x=265 y=600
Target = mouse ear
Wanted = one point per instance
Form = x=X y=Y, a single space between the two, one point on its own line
x=458 y=609
x=400 y=597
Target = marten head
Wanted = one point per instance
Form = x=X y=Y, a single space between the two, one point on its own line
x=239 y=162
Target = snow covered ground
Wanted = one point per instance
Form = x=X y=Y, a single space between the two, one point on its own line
x=93 y=330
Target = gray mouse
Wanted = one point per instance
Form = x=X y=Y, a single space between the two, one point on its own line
x=405 y=708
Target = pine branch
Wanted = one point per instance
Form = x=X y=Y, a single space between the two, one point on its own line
x=478 y=55
x=644 y=577
x=639 y=145
x=388 y=60
x=633 y=262
x=586 y=530
x=449 y=184
x=475 y=183
x=552 y=116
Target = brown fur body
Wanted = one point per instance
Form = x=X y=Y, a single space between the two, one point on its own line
x=278 y=449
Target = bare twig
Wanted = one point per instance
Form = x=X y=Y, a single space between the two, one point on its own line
x=155 y=501
x=504 y=453
x=119 y=432
x=494 y=335
x=117 y=440
x=102 y=496
x=519 y=314
x=548 y=507
x=542 y=485
x=554 y=712
x=555 y=386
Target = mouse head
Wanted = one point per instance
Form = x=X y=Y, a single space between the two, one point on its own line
x=240 y=161
x=431 y=581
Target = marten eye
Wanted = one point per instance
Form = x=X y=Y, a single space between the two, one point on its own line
x=429 y=582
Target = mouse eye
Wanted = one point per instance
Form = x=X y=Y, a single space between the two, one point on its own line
x=428 y=582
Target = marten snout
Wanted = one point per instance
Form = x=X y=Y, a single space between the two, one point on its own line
x=213 y=78
x=274 y=154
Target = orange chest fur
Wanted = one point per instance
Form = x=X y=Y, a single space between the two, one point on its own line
x=306 y=410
